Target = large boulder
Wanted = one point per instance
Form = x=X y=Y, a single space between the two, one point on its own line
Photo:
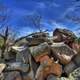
x=66 y=32
x=62 y=52
x=69 y=68
x=40 y=50
x=64 y=35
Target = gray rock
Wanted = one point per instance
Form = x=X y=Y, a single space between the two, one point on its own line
x=51 y=77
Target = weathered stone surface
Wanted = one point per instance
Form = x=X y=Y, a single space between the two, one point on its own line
x=65 y=33
x=62 y=52
x=51 y=77
x=47 y=68
x=75 y=75
x=35 y=41
x=70 y=68
x=12 y=75
x=76 y=60
x=39 y=50
x=18 y=66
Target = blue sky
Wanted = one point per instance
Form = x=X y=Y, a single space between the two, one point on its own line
x=53 y=14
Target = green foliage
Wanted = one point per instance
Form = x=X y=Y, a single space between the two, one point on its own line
x=79 y=40
x=1 y=42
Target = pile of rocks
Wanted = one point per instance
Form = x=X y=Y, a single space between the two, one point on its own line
x=45 y=58
x=60 y=58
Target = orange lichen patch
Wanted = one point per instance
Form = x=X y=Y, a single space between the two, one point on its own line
x=50 y=61
x=42 y=57
x=53 y=68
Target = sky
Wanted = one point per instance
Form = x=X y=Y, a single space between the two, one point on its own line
x=54 y=14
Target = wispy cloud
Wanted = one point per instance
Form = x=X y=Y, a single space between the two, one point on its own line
x=41 y=5
x=77 y=33
x=75 y=30
x=69 y=9
x=58 y=25
x=55 y=4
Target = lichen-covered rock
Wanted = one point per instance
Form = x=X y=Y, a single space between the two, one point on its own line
x=40 y=50
x=69 y=68
x=62 y=52
x=18 y=66
x=76 y=60
x=11 y=75
x=75 y=75
x=47 y=68
x=63 y=34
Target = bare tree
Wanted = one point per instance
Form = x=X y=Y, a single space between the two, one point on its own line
x=36 y=20
x=8 y=40
x=5 y=34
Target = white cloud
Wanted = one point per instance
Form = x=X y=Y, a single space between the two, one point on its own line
x=41 y=5
x=58 y=25
x=55 y=4
x=69 y=9
x=76 y=30
x=77 y=33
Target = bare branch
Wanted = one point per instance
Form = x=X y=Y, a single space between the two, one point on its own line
x=36 y=20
